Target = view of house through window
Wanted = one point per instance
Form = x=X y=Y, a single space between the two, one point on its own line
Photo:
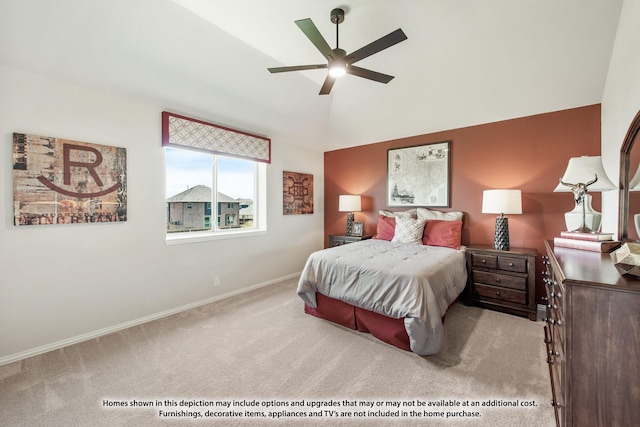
x=206 y=192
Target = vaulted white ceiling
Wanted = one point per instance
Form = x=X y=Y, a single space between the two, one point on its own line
x=465 y=62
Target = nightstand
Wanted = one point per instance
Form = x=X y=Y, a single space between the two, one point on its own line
x=336 y=240
x=502 y=280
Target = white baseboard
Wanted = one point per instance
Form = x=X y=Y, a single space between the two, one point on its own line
x=100 y=332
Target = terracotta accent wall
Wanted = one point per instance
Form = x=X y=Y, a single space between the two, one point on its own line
x=529 y=154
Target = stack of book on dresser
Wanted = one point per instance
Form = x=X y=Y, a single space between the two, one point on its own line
x=594 y=242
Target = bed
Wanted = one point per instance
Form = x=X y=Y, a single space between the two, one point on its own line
x=396 y=288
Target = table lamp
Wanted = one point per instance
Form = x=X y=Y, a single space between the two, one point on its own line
x=584 y=174
x=349 y=203
x=502 y=202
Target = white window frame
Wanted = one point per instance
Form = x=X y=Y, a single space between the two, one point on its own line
x=259 y=221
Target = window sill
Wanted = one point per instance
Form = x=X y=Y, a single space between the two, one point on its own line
x=206 y=236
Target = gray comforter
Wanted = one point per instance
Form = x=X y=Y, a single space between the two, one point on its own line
x=414 y=282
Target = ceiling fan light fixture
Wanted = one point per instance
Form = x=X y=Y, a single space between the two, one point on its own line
x=337 y=69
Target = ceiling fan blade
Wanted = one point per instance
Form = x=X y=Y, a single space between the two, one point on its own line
x=368 y=74
x=328 y=84
x=374 y=47
x=297 y=68
x=309 y=29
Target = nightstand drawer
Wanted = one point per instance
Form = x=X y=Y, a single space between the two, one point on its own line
x=518 y=265
x=502 y=280
x=495 y=292
x=482 y=260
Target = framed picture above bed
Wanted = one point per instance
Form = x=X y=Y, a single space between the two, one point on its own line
x=419 y=175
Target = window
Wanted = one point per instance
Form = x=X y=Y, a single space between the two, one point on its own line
x=211 y=168
x=198 y=181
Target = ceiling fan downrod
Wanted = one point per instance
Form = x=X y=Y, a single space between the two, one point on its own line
x=337 y=16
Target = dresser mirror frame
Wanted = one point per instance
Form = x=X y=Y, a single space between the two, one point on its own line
x=625 y=178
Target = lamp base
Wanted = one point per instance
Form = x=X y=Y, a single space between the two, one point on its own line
x=592 y=218
x=350 y=218
x=501 y=240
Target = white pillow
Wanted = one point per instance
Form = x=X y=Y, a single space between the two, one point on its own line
x=424 y=213
x=409 y=230
x=411 y=213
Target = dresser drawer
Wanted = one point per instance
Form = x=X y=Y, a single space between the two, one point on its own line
x=502 y=280
x=499 y=293
x=482 y=260
x=518 y=265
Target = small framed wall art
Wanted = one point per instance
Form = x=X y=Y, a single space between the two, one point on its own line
x=297 y=193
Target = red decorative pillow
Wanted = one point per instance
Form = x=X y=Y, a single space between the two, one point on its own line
x=386 y=228
x=442 y=233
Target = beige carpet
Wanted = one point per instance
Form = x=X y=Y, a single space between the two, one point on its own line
x=260 y=348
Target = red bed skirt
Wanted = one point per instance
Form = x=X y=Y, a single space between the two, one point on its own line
x=387 y=329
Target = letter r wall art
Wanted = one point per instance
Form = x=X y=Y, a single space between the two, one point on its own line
x=58 y=181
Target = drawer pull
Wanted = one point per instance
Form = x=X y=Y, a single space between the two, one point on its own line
x=556 y=404
x=484 y=261
x=497 y=279
x=510 y=264
x=549 y=361
x=498 y=293
x=554 y=353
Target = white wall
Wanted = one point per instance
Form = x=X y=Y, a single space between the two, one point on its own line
x=59 y=284
x=620 y=102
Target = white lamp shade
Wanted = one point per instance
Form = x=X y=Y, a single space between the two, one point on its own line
x=581 y=170
x=349 y=203
x=502 y=201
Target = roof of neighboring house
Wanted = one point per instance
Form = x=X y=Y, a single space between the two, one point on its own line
x=248 y=211
x=199 y=193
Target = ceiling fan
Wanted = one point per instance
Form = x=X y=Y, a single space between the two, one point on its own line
x=338 y=62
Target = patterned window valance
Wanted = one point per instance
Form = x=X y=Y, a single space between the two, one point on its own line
x=185 y=132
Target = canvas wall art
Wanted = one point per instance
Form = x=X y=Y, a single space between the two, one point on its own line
x=297 y=193
x=59 y=181
x=418 y=176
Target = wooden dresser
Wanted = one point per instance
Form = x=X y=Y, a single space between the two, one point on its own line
x=593 y=339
